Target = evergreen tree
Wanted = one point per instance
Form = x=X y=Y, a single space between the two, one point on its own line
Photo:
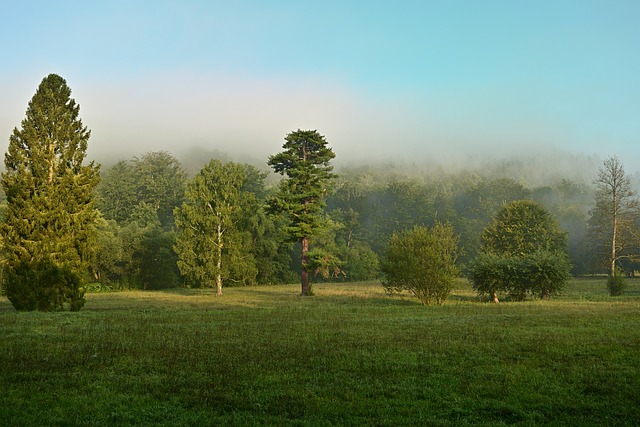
x=49 y=230
x=301 y=197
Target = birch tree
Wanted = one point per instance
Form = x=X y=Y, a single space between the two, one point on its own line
x=209 y=244
x=614 y=215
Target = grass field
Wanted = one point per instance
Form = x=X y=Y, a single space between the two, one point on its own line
x=348 y=356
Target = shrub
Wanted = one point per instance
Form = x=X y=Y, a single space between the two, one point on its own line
x=541 y=274
x=523 y=252
x=422 y=261
x=549 y=272
x=616 y=285
x=43 y=285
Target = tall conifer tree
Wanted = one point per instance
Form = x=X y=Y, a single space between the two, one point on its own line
x=48 y=236
x=301 y=197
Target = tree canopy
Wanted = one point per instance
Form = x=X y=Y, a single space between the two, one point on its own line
x=522 y=227
x=212 y=247
x=422 y=261
x=523 y=251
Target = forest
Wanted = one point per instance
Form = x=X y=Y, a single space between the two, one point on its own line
x=137 y=198
x=154 y=222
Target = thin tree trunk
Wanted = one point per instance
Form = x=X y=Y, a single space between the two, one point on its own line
x=613 y=251
x=219 y=262
x=51 y=161
x=615 y=232
x=304 y=273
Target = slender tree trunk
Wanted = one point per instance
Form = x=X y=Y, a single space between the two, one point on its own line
x=304 y=273
x=494 y=297
x=615 y=232
x=613 y=250
x=219 y=262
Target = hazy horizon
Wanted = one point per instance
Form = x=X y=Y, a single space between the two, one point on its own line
x=452 y=84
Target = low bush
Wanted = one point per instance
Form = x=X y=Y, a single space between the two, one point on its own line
x=422 y=261
x=540 y=273
x=616 y=285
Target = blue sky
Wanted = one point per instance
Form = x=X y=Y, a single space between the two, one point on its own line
x=417 y=80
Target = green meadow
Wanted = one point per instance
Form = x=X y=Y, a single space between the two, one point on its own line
x=350 y=355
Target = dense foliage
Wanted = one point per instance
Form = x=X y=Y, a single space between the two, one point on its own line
x=48 y=236
x=540 y=273
x=423 y=262
x=367 y=207
x=214 y=244
x=523 y=252
x=305 y=160
x=349 y=219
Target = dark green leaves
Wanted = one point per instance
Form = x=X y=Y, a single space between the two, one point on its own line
x=523 y=252
x=422 y=261
x=305 y=162
x=48 y=234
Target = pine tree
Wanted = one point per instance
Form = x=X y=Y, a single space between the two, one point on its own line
x=48 y=235
x=301 y=197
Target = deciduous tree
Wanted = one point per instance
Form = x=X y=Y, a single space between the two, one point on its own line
x=616 y=211
x=116 y=196
x=210 y=245
x=422 y=261
x=160 y=183
x=523 y=251
x=522 y=227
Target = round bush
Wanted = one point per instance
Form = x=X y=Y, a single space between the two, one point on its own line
x=616 y=285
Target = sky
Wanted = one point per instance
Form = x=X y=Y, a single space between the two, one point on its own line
x=409 y=80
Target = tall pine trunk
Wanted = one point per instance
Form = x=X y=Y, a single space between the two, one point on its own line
x=306 y=289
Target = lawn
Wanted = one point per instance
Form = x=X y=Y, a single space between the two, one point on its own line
x=350 y=355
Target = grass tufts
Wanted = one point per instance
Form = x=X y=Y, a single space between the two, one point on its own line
x=349 y=356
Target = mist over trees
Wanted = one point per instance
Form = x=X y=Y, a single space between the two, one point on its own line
x=156 y=222
x=366 y=207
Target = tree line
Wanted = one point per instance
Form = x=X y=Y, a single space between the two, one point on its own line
x=146 y=223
